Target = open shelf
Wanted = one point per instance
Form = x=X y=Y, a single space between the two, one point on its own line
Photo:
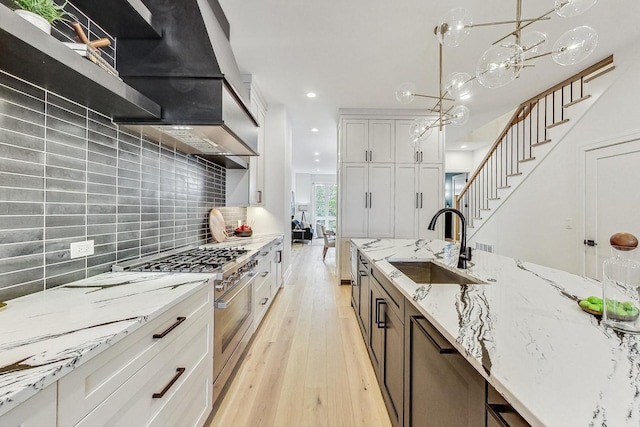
x=124 y=19
x=39 y=58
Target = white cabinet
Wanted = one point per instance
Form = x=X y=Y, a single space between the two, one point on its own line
x=367 y=190
x=39 y=410
x=367 y=141
x=267 y=283
x=171 y=355
x=418 y=196
x=430 y=150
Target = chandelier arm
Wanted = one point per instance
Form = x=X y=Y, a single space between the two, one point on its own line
x=532 y=20
x=538 y=56
x=533 y=47
x=434 y=97
x=540 y=18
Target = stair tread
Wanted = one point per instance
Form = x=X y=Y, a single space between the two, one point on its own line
x=526 y=160
x=494 y=198
x=574 y=102
x=514 y=174
x=504 y=188
x=561 y=122
x=541 y=143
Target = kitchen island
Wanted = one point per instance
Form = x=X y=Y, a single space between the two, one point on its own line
x=524 y=332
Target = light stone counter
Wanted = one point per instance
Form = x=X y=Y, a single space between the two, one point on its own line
x=524 y=332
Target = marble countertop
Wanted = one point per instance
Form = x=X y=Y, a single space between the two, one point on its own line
x=45 y=335
x=524 y=332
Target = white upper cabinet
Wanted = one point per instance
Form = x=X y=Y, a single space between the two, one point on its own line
x=355 y=141
x=430 y=150
x=381 y=141
x=368 y=141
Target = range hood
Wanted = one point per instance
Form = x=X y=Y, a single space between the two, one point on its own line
x=192 y=74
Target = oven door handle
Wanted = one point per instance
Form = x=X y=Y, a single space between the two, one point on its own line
x=225 y=303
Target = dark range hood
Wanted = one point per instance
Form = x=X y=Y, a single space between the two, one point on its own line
x=192 y=73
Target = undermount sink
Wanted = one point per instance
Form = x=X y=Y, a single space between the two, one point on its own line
x=430 y=272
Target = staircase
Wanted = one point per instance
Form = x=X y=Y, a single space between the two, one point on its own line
x=531 y=133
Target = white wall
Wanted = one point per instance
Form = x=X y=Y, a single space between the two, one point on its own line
x=275 y=216
x=458 y=161
x=531 y=223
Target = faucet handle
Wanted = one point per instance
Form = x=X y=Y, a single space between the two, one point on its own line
x=468 y=253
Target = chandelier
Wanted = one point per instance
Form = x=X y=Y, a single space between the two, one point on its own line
x=501 y=63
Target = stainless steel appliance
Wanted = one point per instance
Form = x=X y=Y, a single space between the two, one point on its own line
x=233 y=274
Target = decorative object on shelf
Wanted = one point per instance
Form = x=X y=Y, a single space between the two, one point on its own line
x=41 y=13
x=90 y=49
x=501 y=63
x=621 y=279
x=244 y=231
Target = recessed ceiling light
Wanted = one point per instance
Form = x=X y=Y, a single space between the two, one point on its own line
x=463 y=146
x=316 y=154
x=317 y=160
x=317 y=170
x=311 y=95
x=314 y=130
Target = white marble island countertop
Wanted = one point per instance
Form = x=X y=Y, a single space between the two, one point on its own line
x=525 y=333
x=45 y=335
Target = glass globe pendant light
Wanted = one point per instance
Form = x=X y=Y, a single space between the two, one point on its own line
x=575 y=45
x=458 y=85
x=569 y=8
x=419 y=131
x=499 y=65
x=405 y=93
x=455 y=28
x=459 y=115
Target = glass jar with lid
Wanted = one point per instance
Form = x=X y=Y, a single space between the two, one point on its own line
x=621 y=285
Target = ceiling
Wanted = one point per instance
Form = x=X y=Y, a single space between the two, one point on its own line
x=355 y=53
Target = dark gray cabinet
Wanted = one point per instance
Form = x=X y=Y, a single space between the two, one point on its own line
x=386 y=342
x=500 y=413
x=360 y=295
x=441 y=388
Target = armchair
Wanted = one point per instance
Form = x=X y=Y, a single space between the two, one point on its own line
x=301 y=233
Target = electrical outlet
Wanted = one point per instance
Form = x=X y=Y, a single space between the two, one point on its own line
x=79 y=249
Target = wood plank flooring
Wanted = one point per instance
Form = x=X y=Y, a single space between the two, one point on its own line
x=308 y=365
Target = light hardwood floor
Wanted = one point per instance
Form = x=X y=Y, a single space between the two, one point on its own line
x=308 y=365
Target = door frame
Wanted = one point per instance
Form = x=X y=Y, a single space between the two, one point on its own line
x=581 y=177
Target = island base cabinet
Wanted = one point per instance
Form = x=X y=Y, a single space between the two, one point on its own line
x=386 y=345
x=39 y=410
x=441 y=388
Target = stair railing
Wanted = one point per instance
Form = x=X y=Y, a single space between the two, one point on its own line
x=527 y=128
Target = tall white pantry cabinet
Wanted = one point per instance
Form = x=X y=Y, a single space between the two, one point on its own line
x=387 y=187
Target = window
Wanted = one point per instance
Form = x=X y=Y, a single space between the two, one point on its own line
x=325 y=206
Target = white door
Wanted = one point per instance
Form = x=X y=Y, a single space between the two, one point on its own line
x=407 y=202
x=405 y=152
x=355 y=200
x=431 y=200
x=382 y=141
x=381 y=191
x=612 y=201
x=355 y=140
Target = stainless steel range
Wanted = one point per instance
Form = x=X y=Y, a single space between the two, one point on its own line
x=233 y=275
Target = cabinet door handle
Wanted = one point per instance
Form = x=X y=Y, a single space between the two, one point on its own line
x=170 y=328
x=496 y=410
x=259 y=196
x=370 y=155
x=415 y=157
x=380 y=324
x=441 y=350
x=417 y=205
x=421 y=160
x=366 y=155
x=264 y=274
x=420 y=200
x=263 y=301
x=370 y=203
x=166 y=388
x=366 y=199
x=278 y=257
